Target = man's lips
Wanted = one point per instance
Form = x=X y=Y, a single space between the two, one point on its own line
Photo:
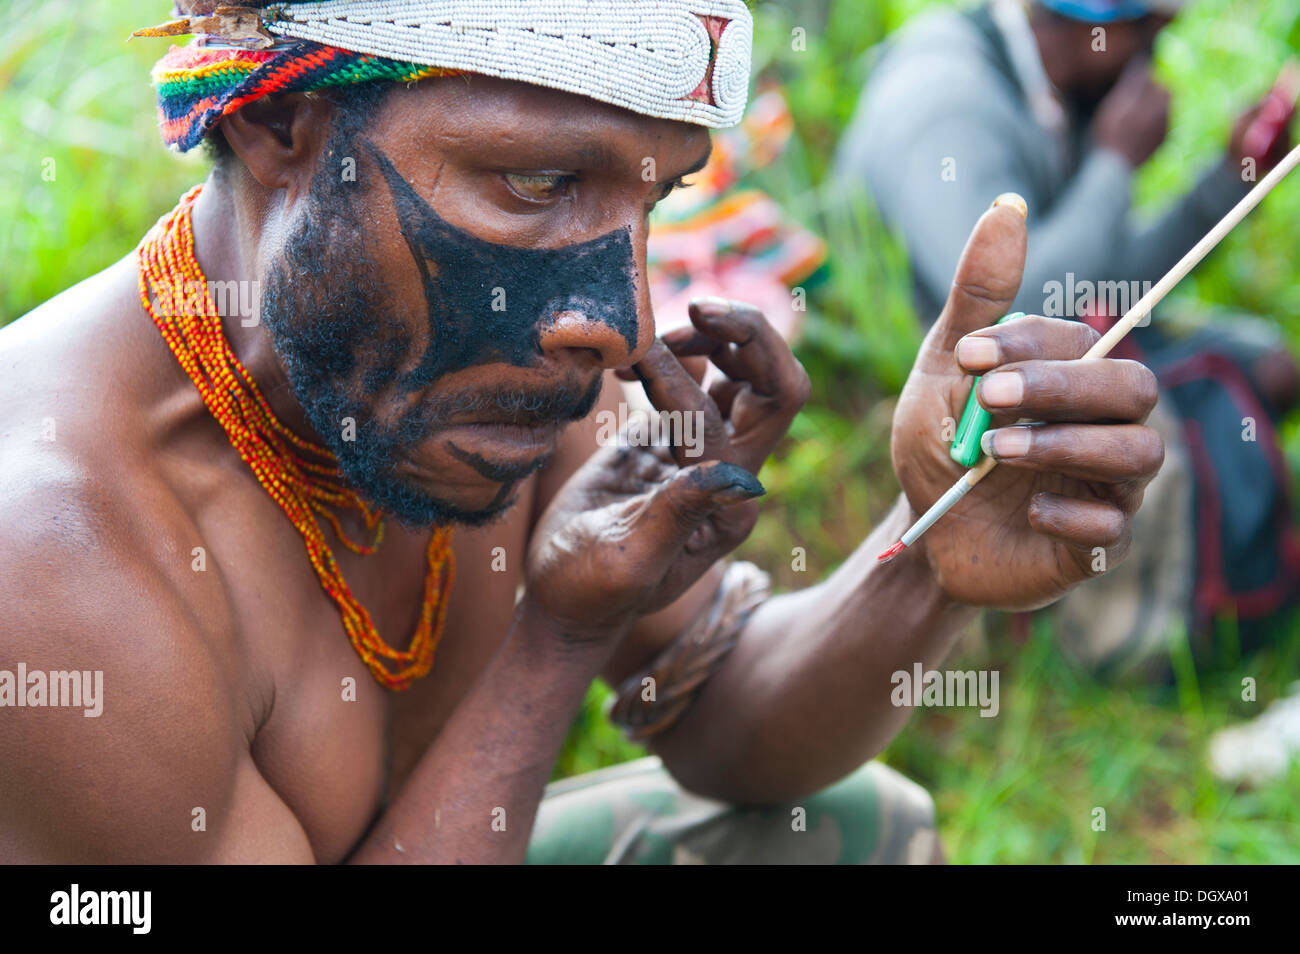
x=503 y=453
x=516 y=438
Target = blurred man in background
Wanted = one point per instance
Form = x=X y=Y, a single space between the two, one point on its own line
x=1055 y=100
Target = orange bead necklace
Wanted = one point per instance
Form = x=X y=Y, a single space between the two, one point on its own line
x=302 y=477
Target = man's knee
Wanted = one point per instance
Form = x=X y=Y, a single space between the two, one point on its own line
x=640 y=815
x=880 y=816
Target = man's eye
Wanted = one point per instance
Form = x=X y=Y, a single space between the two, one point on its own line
x=538 y=188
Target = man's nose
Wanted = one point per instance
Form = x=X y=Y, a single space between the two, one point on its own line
x=582 y=331
x=614 y=329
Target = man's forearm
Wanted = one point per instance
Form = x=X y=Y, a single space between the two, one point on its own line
x=473 y=796
x=805 y=697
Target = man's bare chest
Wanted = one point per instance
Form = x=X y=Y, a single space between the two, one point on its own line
x=331 y=741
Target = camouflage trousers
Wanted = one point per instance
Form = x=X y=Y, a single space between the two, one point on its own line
x=636 y=814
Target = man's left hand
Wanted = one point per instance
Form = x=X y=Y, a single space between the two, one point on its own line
x=1058 y=509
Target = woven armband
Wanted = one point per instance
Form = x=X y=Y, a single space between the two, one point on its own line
x=653 y=700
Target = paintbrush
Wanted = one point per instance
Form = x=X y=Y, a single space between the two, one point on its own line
x=1113 y=337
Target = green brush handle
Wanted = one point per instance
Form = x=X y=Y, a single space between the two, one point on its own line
x=974 y=420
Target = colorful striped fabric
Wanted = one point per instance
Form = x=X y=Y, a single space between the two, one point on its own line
x=198 y=85
x=718 y=238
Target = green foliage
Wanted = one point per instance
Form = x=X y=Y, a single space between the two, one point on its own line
x=593 y=742
x=75 y=104
x=1219 y=57
x=1020 y=787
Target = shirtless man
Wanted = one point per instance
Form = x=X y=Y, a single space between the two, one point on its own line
x=139 y=544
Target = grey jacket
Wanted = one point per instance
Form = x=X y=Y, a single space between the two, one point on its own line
x=944 y=127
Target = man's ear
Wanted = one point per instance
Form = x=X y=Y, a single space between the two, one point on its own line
x=279 y=138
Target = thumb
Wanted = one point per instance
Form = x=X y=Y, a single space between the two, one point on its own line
x=680 y=506
x=988 y=277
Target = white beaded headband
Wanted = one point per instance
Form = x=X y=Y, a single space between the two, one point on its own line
x=674 y=59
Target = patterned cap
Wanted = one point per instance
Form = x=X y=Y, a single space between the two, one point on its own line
x=685 y=60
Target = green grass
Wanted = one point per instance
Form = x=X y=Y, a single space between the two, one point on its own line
x=1023 y=787
x=1017 y=788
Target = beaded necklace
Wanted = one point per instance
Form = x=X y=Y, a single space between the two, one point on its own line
x=302 y=477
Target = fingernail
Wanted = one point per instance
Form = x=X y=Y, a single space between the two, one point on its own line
x=736 y=493
x=976 y=351
x=1006 y=442
x=740 y=483
x=711 y=303
x=1002 y=389
x=1015 y=201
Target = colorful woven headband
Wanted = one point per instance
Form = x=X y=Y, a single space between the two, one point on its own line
x=686 y=60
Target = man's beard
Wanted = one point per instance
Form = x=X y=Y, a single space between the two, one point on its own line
x=344 y=348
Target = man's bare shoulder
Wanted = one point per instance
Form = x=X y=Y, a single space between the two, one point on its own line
x=79 y=533
x=115 y=713
x=86 y=519
x=95 y=543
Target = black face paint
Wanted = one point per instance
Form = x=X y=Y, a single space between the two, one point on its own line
x=344 y=344
x=464 y=277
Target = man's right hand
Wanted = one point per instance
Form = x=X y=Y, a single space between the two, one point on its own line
x=629 y=533
x=1133 y=119
x=635 y=527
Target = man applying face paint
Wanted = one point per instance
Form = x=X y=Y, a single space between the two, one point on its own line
x=348 y=357
x=206 y=529
x=461 y=275
x=474 y=321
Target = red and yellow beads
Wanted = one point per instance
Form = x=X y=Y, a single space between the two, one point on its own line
x=302 y=477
